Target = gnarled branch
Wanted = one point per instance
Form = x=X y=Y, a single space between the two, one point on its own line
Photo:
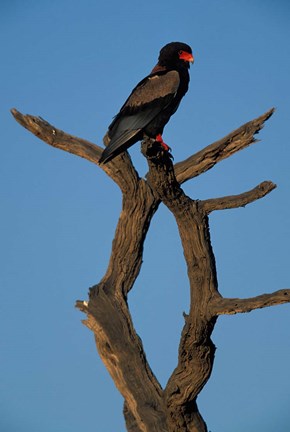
x=122 y=353
x=120 y=170
x=196 y=350
x=57 y=138
x=241 y=200
x=231 y=306
x=206 y=158
x=149 y=408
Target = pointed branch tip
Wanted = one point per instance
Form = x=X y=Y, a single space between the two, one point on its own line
x=209 y=156
x=241 y=200
x=231 y=306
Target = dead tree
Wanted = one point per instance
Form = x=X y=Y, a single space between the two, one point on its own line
x=148 y=407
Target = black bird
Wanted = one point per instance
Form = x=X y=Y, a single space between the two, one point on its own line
x=152 y=102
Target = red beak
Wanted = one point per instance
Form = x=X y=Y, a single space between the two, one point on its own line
x=183 y=55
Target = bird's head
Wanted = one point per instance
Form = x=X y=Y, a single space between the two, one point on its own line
x=176 y=54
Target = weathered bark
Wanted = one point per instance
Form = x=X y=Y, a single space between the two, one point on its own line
x=148 y=407
x=206 y=158
x=196 y=350
x=240 y=200
x=231 y=306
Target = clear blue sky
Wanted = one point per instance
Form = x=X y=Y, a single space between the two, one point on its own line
x=73 y=63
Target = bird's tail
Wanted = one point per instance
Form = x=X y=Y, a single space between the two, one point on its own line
x=118 y=144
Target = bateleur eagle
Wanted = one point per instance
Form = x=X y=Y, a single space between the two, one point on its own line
x=152 y=102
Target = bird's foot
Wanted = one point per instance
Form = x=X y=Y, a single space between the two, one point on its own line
x=159 y=139
x=164 y=146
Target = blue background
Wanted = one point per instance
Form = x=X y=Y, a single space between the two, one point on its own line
x=74 y=63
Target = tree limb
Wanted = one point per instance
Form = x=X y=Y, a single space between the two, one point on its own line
x=109 y=318
x=57 y=138
x=131 y=423
x=241 y=200
x=206 y=158
x=107 y=312
x=231 y=306
x=147 y=407
x=122 y=353
x=138 y=208
x=121 y=169
x=196 y=350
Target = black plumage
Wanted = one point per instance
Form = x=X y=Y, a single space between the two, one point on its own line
x=152 y=102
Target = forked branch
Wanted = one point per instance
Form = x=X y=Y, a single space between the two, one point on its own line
x=149 y=408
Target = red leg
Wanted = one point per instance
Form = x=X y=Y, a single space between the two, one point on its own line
x=164 y=145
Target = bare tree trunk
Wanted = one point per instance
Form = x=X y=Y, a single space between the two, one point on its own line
x=148 y=407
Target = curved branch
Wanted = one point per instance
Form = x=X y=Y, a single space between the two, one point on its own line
x=131 y=423
x=107 y=311
x=120 y=169
x=147 y=407
x=231 y=306
x=241 y=200
x=57 y=138
x=122 y=353
x=138 y=209
x=206 y=158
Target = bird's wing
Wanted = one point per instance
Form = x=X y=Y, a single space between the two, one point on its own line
x=145 y=102
x=153 y=87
